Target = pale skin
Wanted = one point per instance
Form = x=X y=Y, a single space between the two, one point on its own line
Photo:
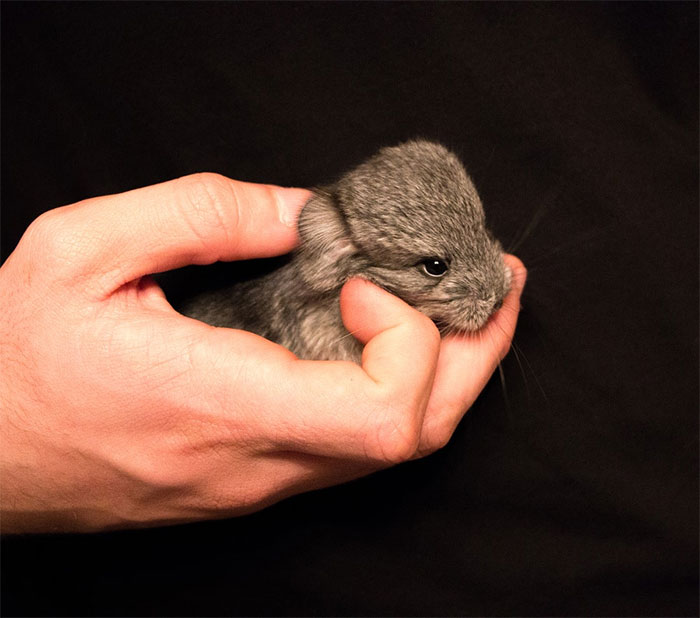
x=117 y=412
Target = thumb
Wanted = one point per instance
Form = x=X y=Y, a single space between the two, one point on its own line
x=196 y=219
x=401 y=344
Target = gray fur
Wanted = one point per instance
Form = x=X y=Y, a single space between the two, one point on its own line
x=379 y=221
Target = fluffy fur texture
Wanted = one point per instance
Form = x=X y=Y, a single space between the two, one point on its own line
x=387 y=221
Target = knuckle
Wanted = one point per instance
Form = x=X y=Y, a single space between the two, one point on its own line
x=211 y=204
x=55 y=236
x=245 y=497
x=44 y=230
x=157 y=476
x=152 y=476
x=395 y=437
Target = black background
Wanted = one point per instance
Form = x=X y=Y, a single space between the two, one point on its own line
x=572 y=492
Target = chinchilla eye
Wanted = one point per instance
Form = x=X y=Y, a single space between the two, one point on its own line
x=435 y=267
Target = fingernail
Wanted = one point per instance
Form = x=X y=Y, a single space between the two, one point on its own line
x=519 y=278
x=290 y=203
x=518 y=273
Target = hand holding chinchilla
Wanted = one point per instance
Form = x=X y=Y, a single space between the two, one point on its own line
x=408 y=219
x=118 y=411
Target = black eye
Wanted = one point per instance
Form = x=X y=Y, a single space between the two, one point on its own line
x=434 y=267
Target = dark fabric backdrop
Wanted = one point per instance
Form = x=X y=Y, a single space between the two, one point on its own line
x=572 y=492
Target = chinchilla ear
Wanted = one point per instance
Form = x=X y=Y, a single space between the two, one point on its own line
x=326 y=247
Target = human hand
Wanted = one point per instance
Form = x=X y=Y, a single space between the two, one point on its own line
x=118 y=412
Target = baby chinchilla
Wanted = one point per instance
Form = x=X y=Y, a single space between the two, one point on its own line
x=408 y=219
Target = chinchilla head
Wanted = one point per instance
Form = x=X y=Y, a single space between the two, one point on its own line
x=410 y=220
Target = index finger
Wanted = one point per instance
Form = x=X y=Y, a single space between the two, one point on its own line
x=196 y=219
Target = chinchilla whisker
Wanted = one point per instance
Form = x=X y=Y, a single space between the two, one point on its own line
x=520 y=356
x=529 y=228
x=551 y=199
x=514 y=347
x=446 y=330
x=573 y=242
x=350 y=333
x=517 y=358
x=519 y=352
x=501 y=372
x=502 y=376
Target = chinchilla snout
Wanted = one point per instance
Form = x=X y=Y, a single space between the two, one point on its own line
x=472 y=290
